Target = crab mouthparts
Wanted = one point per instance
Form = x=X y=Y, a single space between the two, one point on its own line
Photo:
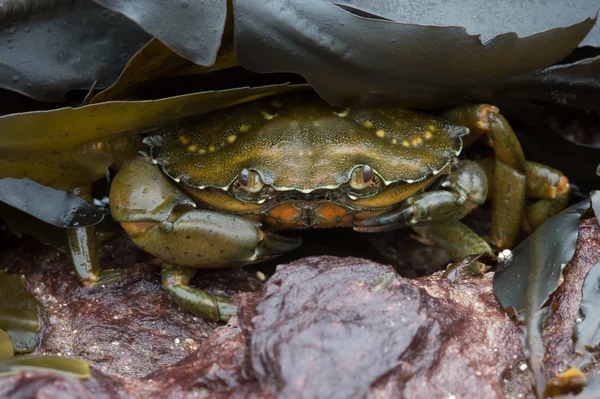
x=302 y=214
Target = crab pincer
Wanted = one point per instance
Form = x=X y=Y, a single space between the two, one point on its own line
x=161 y=219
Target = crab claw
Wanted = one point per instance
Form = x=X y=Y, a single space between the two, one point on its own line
x=429 y=207
x=164 y=222
x=273 y=245
x=389 y=221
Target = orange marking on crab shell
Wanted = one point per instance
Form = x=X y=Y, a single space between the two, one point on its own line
x=285 y=212
x=330 y=212
x=137 y=227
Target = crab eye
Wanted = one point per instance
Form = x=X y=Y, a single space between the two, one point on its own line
x=362 y=177
x=364 y=182
x=250 y=181
x=367 y=174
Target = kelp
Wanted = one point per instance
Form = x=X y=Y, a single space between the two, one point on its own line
x=487 y=18
x=6 y=348
x=58 y=208
x=419 y=54
x=23 y=224
x=595 y=200
x=20 y=314
x=154 y=61
x=56 y=364
x=525 y=280
x=11 y=364
x=381 y=60
x=575 y=84
x=52 y=147
x=51 y=47
x=192 y=29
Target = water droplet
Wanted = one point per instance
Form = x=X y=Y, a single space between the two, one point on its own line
x=12 y=28
x=49 y=30
x=103 y=59
x=184 y=4
x=29 y=85
x=27 y=30
x=15 y=78
x=10 y=46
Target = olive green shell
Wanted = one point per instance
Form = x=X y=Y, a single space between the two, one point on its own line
x=300 y=142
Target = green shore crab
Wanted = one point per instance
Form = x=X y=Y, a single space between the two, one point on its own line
x=214 y=192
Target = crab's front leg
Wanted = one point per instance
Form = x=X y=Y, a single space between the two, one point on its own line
x=436 y=214
x=161 y=219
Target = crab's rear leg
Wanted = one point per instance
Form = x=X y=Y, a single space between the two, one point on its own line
x=176 y=282
x=455 y=237
x=161 y=219
x=545 y=184
x=509 y=181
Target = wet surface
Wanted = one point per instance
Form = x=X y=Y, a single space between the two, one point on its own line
x=127 y=329
x=558 y=325
x=325 y=327
x=349 y=317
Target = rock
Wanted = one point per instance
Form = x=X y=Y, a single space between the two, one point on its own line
x=321 y=327
x=558 y=326
x=346 y=327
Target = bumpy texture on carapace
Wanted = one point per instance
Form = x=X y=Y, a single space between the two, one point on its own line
x=301 y=143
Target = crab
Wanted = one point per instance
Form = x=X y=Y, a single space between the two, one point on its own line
x=216 y=192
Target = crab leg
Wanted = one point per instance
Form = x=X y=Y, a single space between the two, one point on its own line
x=82 y=249
x=510 y=178
x=544 y=183
x=455 y=237
x=176 y=280
x=83 y=252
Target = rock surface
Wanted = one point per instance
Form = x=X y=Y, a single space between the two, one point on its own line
x=321 y=327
